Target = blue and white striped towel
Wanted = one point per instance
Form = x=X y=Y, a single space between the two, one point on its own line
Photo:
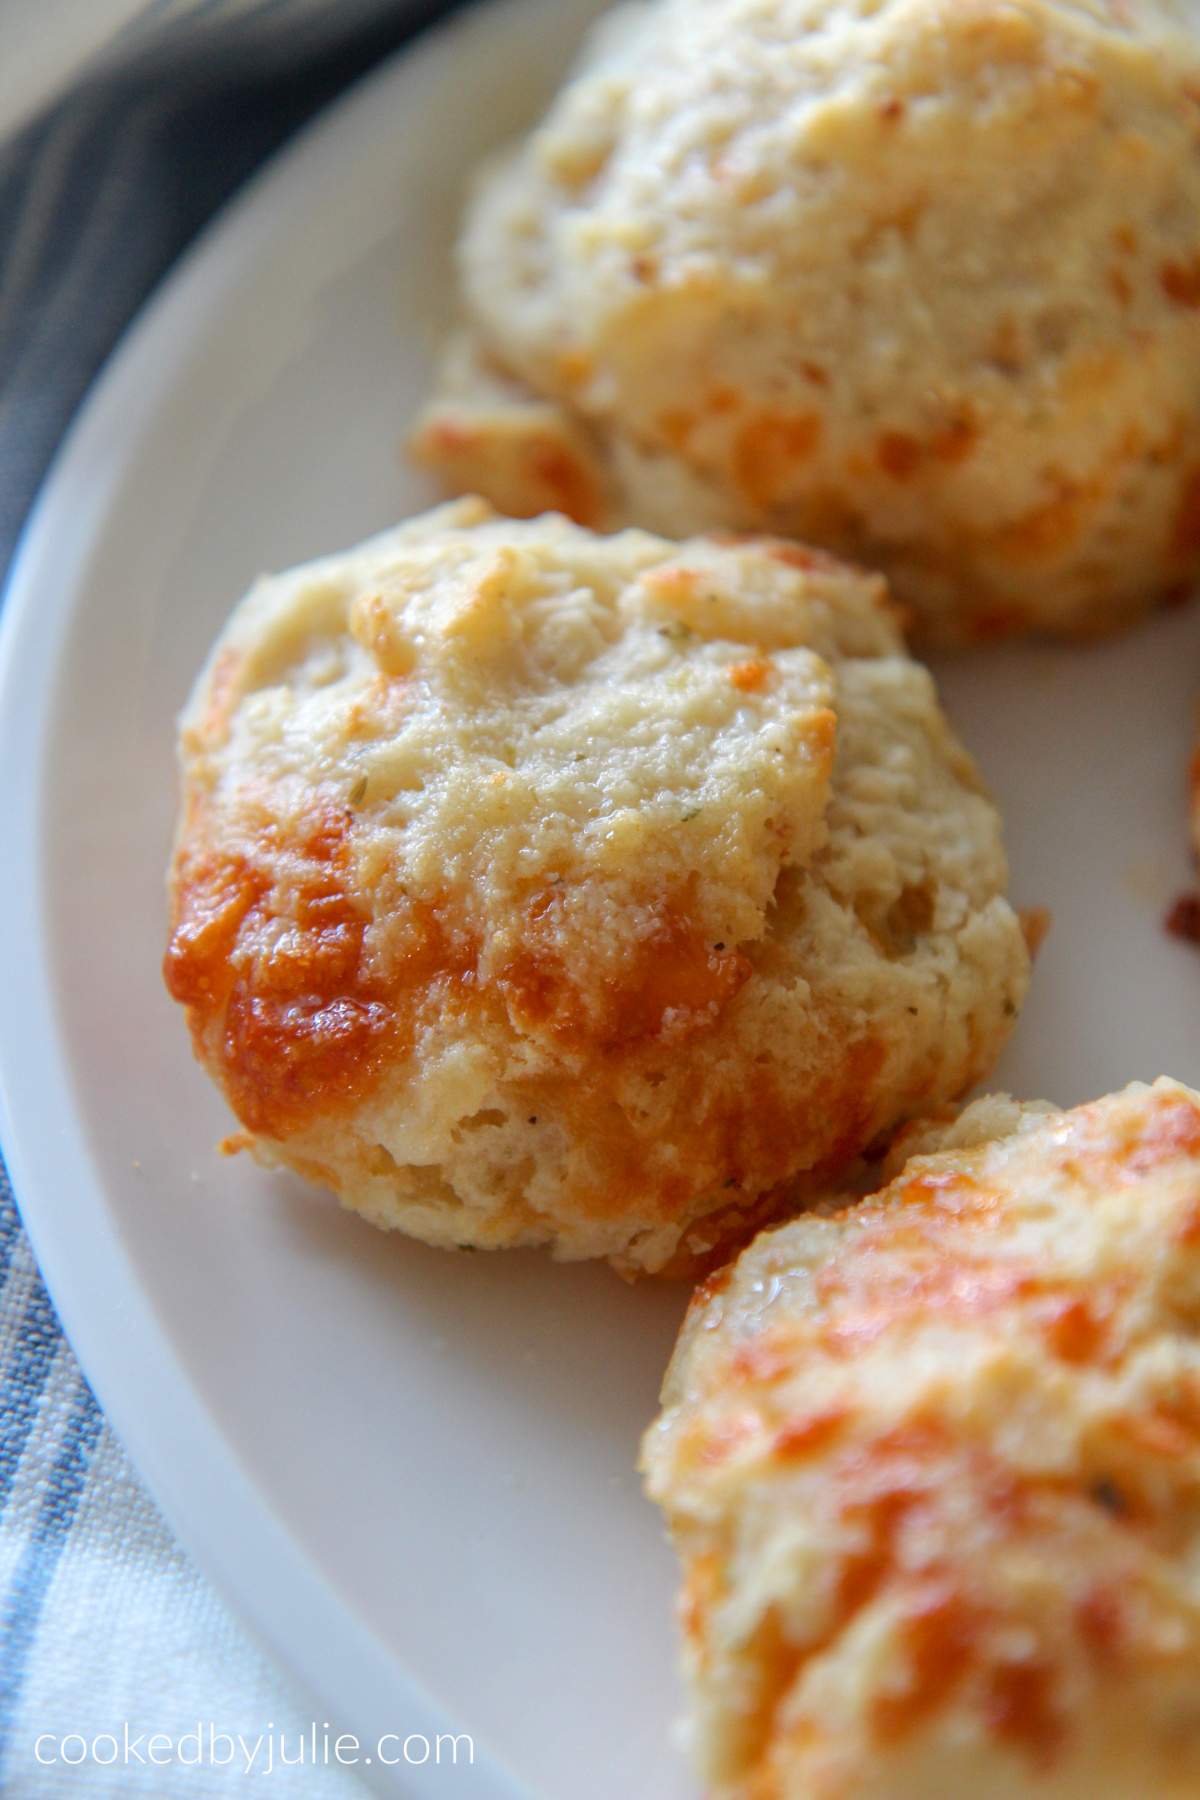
x=108 y=1637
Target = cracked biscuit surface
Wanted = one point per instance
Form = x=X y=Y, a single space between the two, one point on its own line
x=536 y=887
x=932 y=1464
x=915 y=279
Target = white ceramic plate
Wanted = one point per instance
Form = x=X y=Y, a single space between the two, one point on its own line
x=412 y=1472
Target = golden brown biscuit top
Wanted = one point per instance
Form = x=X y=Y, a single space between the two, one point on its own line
x=934 y=1464
x=918 y=280
x=785 y=167
x=553 y=773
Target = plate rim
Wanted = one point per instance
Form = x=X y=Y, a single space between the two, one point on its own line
x=258 y=1569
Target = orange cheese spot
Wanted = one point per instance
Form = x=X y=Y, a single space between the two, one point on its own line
x=1100 y=1621
x=1187 y=1232
x=565 y=485
x=1185 y=531
x=1035 y=922
x=765 y=1358
x=1165 y=1128
x=954 y=441
x=1120 y=286
x=767 y=452
x=729 y=1436
x=676 y=426
x=671 y=582
x=214 y=898
x=808 y=1432
x=876 y=1299
x=701 y=1588
x=1073 y=1331
x=1000 y=622
x=575 y=366
x=713 y=1285
x=931 y=1184
x=1180 y=281
x=722 y=399
x=897 y=454
x=803 y=556
x=904 y=1272
x=1158 y=1434
x=939 y=1635
x=222 y=693
x=673 y=979
x=749 y=677
x=1052 y=527
x=1018 y=1705
x=450 y=437
x=526 y=467
x=295 y=1024
x=295 y=1021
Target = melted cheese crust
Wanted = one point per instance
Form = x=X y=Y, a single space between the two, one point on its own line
x=493 y=904
x=933 y=1467
x=918 y=280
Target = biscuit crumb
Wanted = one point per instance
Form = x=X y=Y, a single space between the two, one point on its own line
x=1183 y=920
x=1036 y=922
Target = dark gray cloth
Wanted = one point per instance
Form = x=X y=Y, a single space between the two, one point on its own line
x=103 y=189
